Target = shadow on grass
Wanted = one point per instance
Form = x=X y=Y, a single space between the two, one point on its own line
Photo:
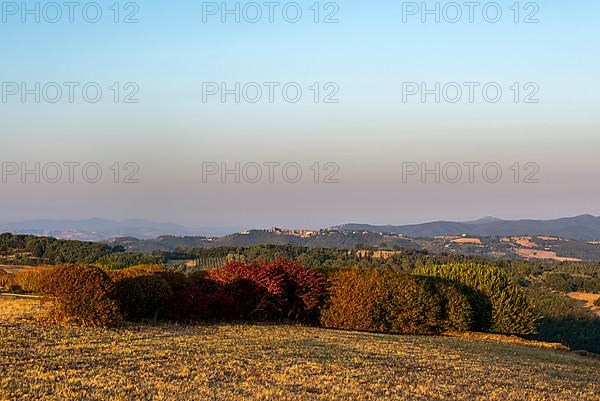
x=577 y=334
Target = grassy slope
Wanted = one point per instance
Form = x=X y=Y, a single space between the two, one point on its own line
x=237 y=362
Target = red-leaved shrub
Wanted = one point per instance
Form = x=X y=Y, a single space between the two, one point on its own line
x=204 y=300
x=279 y=289
x=256 y=288
x=304 y=291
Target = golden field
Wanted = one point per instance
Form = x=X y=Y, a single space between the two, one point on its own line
x=587 y=300
x=273 y=362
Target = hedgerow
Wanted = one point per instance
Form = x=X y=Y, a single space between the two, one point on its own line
x=454 y=297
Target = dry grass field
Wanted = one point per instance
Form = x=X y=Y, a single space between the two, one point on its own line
x=270 y=362
x=539 y=254
x=586 y=300
x=13 y=269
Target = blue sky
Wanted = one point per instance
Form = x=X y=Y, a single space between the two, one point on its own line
x=369 y=54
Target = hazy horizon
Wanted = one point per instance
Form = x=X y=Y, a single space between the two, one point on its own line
x=362 y=125
x=234 y=229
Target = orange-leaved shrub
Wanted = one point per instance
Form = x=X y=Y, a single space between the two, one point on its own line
x=33 y=280
x=385 y=301
x=81 y=295
x=6 y=279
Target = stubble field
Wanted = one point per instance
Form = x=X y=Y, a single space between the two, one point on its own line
x=273 y=362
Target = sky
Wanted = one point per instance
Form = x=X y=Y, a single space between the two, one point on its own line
x=302 y=114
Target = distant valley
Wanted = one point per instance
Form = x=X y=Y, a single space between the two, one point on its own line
x=564 y=239
x=384 y=244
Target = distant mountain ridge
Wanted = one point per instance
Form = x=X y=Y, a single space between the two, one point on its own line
x=103 y=229
x=565 y=239
x=583 y=228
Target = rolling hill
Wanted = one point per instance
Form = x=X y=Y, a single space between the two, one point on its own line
x=320 y=239
x=583 y=228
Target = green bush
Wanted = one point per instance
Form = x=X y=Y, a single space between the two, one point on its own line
x=146 y=292
x=490 y=288
x=176 y=279
x=382 y=301
x=123 y=260
x=559 y=281
x=457 y=308
x=81 y=295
